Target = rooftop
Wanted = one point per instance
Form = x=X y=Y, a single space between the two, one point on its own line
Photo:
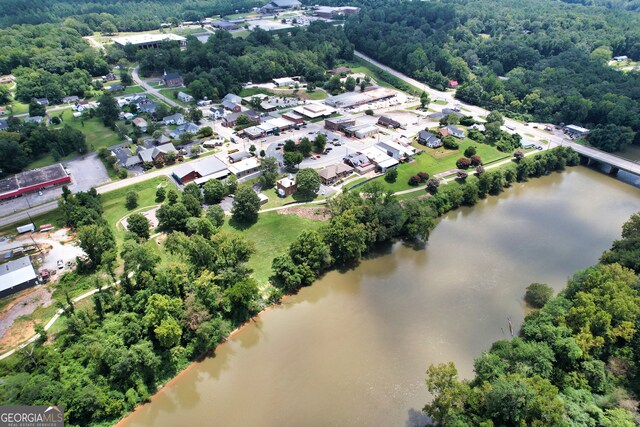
x=16 y=272
x=147 y=38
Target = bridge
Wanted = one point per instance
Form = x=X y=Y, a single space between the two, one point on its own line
x=617 y=163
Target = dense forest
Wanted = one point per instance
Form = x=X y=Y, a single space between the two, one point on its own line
x=126 y=15
x=223 y=63
x=575 y=362
x=547 y=62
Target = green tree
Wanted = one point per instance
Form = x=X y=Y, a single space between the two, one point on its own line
x=538 y=294
x=346 y=238
x=610 y=137
x=319 y=143
x=138 y=224
x=495 y=117
x=125 y=78
x=214 y=191
x=131 y=201
x=108 y=110
x=391 y=175
x=269 y=168
x=311 y=250
x=216 y=215
x=35 y=109
x=195 y=114
x=424 y=100
x=193 y=190
x=95 y=240
x=470 y=151
x=246 y=205
x=350 y=84
x=292 y=160
x=449 y=394
x=308 y=183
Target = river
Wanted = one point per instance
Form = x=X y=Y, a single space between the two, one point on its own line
x=352 y=349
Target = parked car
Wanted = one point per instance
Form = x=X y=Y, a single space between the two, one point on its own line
x=60 y=264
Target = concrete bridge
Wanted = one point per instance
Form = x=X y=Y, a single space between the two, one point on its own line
x=616 y=163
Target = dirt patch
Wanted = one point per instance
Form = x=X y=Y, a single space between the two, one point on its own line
x=12 y=330
x=150 y=215
x=309 y=212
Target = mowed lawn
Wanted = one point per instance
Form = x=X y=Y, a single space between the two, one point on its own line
x=434 y=161
x=97 y=134
x=272 y=235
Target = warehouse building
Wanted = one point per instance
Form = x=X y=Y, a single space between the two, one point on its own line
x=17 y=275
x=33 y=180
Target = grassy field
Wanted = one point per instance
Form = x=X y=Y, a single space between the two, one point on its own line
x=97 y=134
x=361 y=66
x=113 y=202
x=133 y=89
x=272 y=234
x=316 y=95
x=19 y=107
x=434 y=161
x=240 y=33
x=276 y=201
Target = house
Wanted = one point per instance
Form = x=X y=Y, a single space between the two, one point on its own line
x=42 y=101
x=156 y=154
x=429 y=139
x=109 y=77
x=4 y=125
x=453 y=84
x=232 y=97
x=478 y=127
x=8 y=79
x=201 y=171
x=174 y=119
x=70 y=99
x=333 y=173
x=184 y=128
x=622 y=58
x=397 y=151
x=285 y=187
x=148 y=107
x=17 y=275
x=238 y=156
x=218 y=113
x=230 y=120
x=172 y=79
x=162 y=139
x=360 y=163
x=3 y=111
x=340 y=70
x=115 y=88
x=140 y=123
x=184 y=97
x=233 y=107
x=389 y=122
x=34 y=119
x=455 y=131
x=445 y=112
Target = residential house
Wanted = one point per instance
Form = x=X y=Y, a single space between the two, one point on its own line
x=174 y=119
x=201 y=171
x=4 y=125
x=109 y=77
x=162 y=139
x=429 y=139
x=333 y=173
x=156 y=154
x=622 y=58
x=230 y=120
x=70 y=99
x=387 y=121
x=8 y=79
x=238 y=156
x=232 y=97
x=236 y=108
x=184 y=97
x=42 y=101
x=172 y=79
x=184 y=128
x=140 y=123
x=217 y=113
x=34 y=119
x=148 y=106
x=453 y=84
x=455 y=131
x=360 y=162
x=478 y=127
x=285 y=187
x=115 y=88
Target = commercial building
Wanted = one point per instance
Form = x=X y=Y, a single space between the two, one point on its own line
x=361 y=131
x=17 y=275
x=33 y=180
x=333 y=173
x=314 y=111
x=286 y=81
x=397 y=151
x=245 y=167
x=575 y=131
x=148 y=41
x=201 y=171
x=293 y=117
x=225 y=25
x=380 y=158
x=339 y=123
x=278 y=5
x=355 y=99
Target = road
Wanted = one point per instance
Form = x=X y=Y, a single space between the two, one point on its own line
x=151 y=90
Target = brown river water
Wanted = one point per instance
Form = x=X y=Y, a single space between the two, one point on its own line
x=352 y=349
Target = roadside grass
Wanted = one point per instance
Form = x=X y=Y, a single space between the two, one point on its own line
x=272 y=235
x=439 y=102
x=113 y=202
x=133 y=89
x=55 y=217
x=276 y=201
x=434 y=161
x=19 y=107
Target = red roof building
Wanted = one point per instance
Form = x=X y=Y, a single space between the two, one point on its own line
x=33 y=180
x=453 y=84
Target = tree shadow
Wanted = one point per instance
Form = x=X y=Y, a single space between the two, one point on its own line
x=241 y=225
x=416 y=418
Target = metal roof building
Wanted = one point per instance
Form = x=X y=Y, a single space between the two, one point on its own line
x=17 y=275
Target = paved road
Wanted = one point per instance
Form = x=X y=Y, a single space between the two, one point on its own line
x=151 y=90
